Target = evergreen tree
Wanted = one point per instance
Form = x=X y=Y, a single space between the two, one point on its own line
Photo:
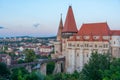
x=96 y=64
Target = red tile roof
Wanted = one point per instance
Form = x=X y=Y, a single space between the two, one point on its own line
x=91 y=30
x=70 y=24
x=94 y=29
x=115 y=32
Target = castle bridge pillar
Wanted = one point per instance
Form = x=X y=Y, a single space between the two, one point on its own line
x=29 y=68
x=59 y=67
x=43 y=68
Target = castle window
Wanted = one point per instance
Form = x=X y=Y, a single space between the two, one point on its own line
x=77 y=45
x=114 y=42
x=96 y=37
x=105 y=46
x=86 y=45
x=69 y=44
x=95 y=45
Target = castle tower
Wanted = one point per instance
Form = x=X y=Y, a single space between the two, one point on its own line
x=69 y=30
x=58 y=44
x=70 y=25
x=59 y=33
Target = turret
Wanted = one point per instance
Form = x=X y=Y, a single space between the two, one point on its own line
x=59 y=33
x=70 y=25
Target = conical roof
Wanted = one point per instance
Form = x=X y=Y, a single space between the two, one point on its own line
x=59 y=33
x=70 y=24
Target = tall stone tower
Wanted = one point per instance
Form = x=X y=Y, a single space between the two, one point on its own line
x=68 y=31
x=58 y=43
x=59 y=33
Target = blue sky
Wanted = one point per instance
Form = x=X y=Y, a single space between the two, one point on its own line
x=19 y=17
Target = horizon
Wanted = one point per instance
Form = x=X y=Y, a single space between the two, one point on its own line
x=39 y=18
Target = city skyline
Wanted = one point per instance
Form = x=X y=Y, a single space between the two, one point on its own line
x=41 y=18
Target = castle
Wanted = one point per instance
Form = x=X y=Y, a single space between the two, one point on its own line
x=77 y=45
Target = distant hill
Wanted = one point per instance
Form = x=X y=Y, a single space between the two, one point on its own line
x=51 y=37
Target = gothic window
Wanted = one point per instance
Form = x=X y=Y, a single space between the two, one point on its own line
x=96 y=45
x=86 y=45
x=77 y=45
x=105 y=46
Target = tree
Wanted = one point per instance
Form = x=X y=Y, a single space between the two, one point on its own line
x=96 y=64
x=19 y=73
x=113 y=73
x=4 y=71
x=50 y=67
x=34 y=76
x=29 y=55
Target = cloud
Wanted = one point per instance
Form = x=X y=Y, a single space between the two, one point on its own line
x=36 y=25
x=1 y=27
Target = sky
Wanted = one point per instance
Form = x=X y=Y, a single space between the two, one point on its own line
x=40 y=18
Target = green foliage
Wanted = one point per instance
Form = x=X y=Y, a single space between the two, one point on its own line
x=97 y=63
x=4 y=71
x=34 y=76
x=23 y=74
x=63 y=76
x=19 y=73
x=20 y=61
x=113 y=73
x=50 y=67
x=29 y=55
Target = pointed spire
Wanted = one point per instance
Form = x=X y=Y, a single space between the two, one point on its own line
x=59 y=33
x=70 y=24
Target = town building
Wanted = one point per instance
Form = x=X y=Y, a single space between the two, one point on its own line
x=5 y=58
x=77 y=45
x=45 y=50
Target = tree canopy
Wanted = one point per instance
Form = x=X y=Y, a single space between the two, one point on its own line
x=4 y=71
x=29 y=55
